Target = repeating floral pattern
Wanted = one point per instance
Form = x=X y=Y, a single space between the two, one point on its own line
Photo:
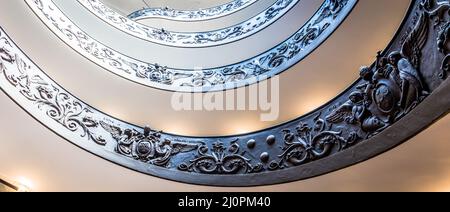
x=268 y=64
x=192 y=15
x=194 y=39
x=387 y=91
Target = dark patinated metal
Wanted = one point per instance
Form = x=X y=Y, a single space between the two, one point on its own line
x=403 y=92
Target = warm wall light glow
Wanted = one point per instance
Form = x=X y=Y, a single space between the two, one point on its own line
x=441 y=187
x=242 y=126
x=440 y=183
x=24 y=184
x=444 y=189
x=315 y=101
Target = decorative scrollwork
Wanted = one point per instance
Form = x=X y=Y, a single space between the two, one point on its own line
x=55 y=104
x=148 y=146
x=75 y=116
x=192 y=15
x=310 y=143
x=392 y=88
x=321 y=25
x=443 y=42
x=220 y=160
x=190 y=39
x=440 y=11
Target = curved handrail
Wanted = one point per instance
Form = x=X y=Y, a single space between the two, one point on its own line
x=403 y=92
x=190 y=39
x=278 y=59
x=191 y=15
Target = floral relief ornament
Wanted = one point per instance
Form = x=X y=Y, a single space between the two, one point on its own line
x=190 y=39
x=192 y=15
x=273 y=62
x=387 y=91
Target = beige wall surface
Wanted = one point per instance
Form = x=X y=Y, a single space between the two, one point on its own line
x=312 y=82
x=49 y=163
x=128 y=6
x=213 y=24
x=33 y=154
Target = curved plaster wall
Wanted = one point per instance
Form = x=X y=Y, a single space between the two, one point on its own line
x=303 y=88
x=306 y=86
x=200 y=14
x=128 y=6
x=382 y=125
x=207 y=25
x=202 y=39
x=281 y=57
x=189 y=58
x=409 y=167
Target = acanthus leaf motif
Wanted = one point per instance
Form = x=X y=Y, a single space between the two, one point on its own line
x=147 y=146
x=220 y=159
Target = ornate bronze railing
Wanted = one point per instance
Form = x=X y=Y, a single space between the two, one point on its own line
x=278 y=59
x=191 y=39
x=192 y=15
x=405 y=90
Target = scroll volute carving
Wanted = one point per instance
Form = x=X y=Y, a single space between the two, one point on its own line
x=388 y=90
x=220 y=159
x=440 y=13
x=444 y=47
x=310 y=142
x=147 y=146
x=5 y=56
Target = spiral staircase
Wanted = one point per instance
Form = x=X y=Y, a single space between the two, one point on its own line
x=361 y=86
